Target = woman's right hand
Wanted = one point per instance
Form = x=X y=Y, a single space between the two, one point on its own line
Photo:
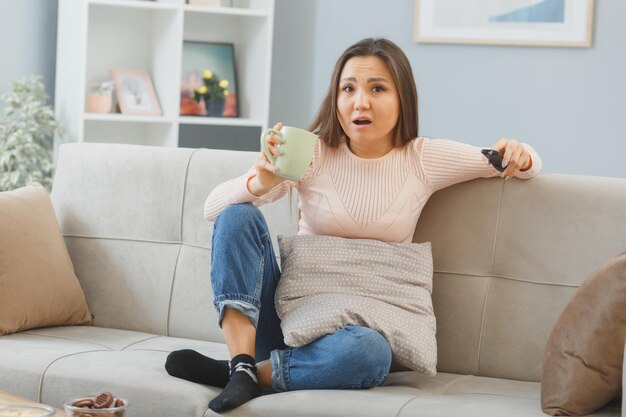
x=266 y=178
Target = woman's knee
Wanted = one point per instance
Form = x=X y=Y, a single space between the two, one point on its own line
x=238 y=219
x=370 y=352
x=239 y=213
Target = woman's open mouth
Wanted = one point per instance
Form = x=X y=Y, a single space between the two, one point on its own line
x=362 y=121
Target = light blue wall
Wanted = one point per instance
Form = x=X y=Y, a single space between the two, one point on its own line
x=291 y=99
x=568 y=103
x=28 y=39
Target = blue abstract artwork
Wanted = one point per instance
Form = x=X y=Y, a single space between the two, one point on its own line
x=548 y=11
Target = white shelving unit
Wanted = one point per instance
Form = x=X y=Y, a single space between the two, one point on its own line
x=95 y=36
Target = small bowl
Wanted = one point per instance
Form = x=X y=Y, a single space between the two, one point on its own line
x=72 y=411
x=26 y=410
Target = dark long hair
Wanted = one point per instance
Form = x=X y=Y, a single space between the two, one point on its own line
x=326 y=123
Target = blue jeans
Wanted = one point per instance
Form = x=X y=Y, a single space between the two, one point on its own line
x=244 y=275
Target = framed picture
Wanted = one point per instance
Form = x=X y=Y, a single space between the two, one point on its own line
x=134 y=91
x=505 y=22
x=209 y=80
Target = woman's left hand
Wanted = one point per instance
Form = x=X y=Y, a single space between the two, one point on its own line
x=515 y=156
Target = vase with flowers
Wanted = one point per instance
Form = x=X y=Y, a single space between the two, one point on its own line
x=100 y=99
x=213 y=92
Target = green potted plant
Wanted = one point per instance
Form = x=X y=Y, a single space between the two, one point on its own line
x=213 y=92
x=27 y=127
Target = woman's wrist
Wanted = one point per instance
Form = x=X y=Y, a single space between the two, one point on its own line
x=254 y=187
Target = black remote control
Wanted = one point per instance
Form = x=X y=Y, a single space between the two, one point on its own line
x=495 y=158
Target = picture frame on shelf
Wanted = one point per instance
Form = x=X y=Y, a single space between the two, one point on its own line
x=134 y=92
x=209 y=80
x=565 y=23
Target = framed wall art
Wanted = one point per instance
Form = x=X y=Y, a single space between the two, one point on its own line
x=209 y=80
x=505 y=22
x=135 y=92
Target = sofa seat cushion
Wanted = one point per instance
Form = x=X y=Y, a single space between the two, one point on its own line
x=54 y=364
x=474 y=396
x=24 y=358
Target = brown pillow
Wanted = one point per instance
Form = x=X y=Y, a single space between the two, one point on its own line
x=38 y=286
x=582 y=361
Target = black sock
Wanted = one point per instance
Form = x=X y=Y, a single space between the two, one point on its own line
x=242 y=387
x=195 y=367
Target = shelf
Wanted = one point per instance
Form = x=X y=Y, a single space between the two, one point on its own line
x=233 y=11
x=114 y=117
x=136 y=4
x=97 y=36
x=220 y=121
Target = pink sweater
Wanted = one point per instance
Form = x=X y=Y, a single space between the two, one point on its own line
x=347 y=196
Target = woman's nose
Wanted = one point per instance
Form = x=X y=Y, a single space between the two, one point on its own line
x=361 y=102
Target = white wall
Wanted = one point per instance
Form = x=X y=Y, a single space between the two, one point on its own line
x=28 y=38
x=569 y=103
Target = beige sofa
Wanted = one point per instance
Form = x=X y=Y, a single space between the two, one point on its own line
x=507 y=257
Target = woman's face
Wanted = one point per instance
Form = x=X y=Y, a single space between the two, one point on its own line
x=368 y=104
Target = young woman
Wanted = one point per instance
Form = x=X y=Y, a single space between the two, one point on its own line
x=370 y=177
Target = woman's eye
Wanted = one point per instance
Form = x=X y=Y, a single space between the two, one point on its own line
x=347 y=89
x=378 y=89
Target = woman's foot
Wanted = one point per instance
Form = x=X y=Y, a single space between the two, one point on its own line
x=242 y=387
x=195 y=367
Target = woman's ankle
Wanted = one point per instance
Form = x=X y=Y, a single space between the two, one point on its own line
x=264 y=373
x=239 y=333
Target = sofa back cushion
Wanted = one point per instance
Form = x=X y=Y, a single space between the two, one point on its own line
x=508 y=257
x=132 y=217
